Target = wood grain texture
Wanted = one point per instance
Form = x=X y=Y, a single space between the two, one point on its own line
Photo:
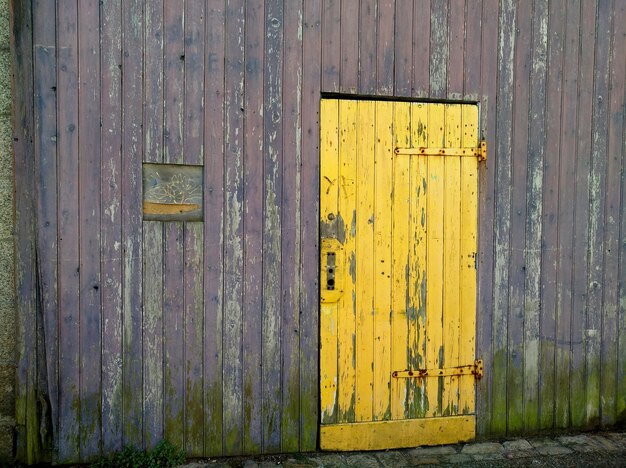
x=89 y=226
x=111 y=226
x=309 y=216
x=131 y=214
x=253 y=228
x=214 y=145
x=68 y=232
x=331 y=45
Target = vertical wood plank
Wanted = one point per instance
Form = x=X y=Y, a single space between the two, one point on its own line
x=132 y=155
x=349 y=49
x=346 y=318
x=469 y=229
x=566 y=216
x=456 y=41
x=534 y=196
x=173 y=336
x=331 y=45
x=403 y=44
x=418 y=260
x=452 y=331
x=153 y=332
x=329 y=206
x=89 y=225
x=214 y=74
x=309 y=221
x=503 y=150
x=68 y=205
x=472 y=60
x=45 y=165
x=291 y=228
x=435 y=260
x=439 y=48
x=595 y=309
x=366 y=116
x=485 y=314
x=174 y=127
x=382 y=258
x=400 y=235
x=193 y=153
x=385 y=47
x=578 y=337
x=153 y=231
x=111 y=224
x=233 y=234
x=193 y=313
x=253 y=229
x=609 y=409
x=421 y=49
x=272 y=224
x=519 y=172
x=24 y=144
x=551 y=277
x=368 y=13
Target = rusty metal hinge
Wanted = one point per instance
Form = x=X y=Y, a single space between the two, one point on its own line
x=475 y=369
x=482 y=156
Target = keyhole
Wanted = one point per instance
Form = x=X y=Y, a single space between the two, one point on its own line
x=330 y=271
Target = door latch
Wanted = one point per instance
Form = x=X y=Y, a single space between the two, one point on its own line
x=331 y=266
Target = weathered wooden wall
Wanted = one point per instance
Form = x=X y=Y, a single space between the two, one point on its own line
x=206 y=333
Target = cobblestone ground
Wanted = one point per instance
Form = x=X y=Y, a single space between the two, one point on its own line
x=606 y=449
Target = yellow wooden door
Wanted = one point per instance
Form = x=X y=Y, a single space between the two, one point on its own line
x=398 y=207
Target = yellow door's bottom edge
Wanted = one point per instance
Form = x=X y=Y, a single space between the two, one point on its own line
x=382 y=435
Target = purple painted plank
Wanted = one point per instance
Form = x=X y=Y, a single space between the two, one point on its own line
x=193 y=46
x=309 y=289
x=597 y=217
x=232 y=369
x=349 y=49
x=534 y=197
x=619 y=45
x=153 y=82
x=385 y=47
x=213 y=226
x=566 y=220
x=519 y=170
x=609 y=408
x=68 y=231
x=89 y=226
x=472 y=47
x=46 y=201
x=456 y=41
x=403 y=44
x=193 y=323
x=174 y=79
x=253 y=229
x=439 y=49
x=24 y=111
x=550 y=278
x=193 y=232
x=578 y=325
x=290 y=215
x=331 y=45
x=132 y=156
x=173 y=237
x=272 y=223
x=368 y=14
x=421 y=49
x=153 y=232
x=501 y=244
x=110 y=225
x=486 y=206
x=173 y=339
